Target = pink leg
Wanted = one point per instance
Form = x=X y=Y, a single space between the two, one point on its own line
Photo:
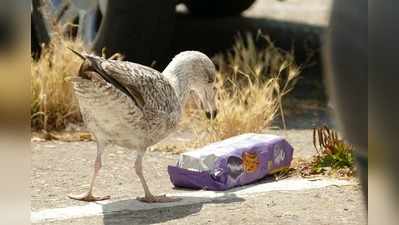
x=148 y=197
x=88 y=196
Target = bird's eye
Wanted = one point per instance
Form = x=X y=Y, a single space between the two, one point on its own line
x=211 y=76
x=211 y=79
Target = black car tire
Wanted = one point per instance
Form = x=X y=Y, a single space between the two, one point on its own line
x=141 y=30
x=217 y=8
x=39 y=31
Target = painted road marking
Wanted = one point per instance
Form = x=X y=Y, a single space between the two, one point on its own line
x=187 y=198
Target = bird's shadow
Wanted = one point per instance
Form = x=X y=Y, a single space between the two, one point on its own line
x=118 y=213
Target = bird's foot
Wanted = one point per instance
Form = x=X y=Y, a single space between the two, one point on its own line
x=88 y=197
x=157 y=199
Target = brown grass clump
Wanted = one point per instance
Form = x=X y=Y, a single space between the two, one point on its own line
x=251 y=83
x=53 y=104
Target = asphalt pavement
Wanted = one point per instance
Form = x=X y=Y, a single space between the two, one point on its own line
x=60 y=168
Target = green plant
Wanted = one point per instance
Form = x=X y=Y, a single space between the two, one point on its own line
x=333 y=154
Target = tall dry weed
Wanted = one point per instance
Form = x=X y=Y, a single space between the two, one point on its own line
x=251 y=84
x=53 y=105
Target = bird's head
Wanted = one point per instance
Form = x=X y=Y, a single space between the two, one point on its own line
x=199 y=73
x=203 y=84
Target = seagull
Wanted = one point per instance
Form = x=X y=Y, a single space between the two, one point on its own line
x=134 y=106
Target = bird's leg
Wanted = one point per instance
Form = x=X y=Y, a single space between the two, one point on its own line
x=88 y=196
x=148 y=197
x=139 y=171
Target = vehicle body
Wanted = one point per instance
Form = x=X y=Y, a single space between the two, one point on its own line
x=136 y=29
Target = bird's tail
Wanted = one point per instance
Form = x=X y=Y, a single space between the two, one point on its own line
x=77 y=53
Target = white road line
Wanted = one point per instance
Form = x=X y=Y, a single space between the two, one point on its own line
x=187 y=198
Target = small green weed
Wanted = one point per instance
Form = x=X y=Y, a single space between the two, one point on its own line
x=334 y=156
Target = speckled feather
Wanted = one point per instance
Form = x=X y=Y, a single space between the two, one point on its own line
x=136 y=106
x=115 y=117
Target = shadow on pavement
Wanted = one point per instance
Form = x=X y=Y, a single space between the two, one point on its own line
x=306 y=119
x=123 y=213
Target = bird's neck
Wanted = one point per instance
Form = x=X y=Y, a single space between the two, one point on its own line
x=179 y=78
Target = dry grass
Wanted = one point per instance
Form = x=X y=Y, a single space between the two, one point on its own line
x=251 y=84
x=53 y=104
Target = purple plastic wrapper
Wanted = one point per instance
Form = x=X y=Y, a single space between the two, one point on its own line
x=232 y=162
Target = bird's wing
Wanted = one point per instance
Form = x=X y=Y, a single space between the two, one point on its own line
x=147 y=87
x=117 y=76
